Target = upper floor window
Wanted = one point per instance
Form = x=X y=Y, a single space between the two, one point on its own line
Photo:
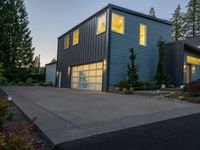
x=76 y=37
x=101 y=24
x=66 y=42
x=143 y=34
x=118 y=23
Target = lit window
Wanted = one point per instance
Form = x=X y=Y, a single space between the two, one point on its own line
x=117 y=23
x=143 y=34
x=193 y=69
x=101 y=24
x=66 y=42
x=76 y=37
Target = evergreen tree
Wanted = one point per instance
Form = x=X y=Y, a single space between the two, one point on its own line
x=16 y=49
x=152 y=12
x=161 y=75
x=132 y=69
x=177 y=24
x=192 y=19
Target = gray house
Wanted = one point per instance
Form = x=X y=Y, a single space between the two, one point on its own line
x=94 y=54
x=51 y=72
x=183 y=60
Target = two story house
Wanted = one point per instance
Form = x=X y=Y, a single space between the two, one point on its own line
x=94 y=54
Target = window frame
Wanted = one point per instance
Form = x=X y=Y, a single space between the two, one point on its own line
x=65 y=44
x=146 y=30
x=123 y=23
x=97 y=32
x=74 y=44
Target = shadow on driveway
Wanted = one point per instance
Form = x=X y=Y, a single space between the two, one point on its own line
x=176 y=134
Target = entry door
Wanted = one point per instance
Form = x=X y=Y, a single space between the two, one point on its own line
x=188 y=73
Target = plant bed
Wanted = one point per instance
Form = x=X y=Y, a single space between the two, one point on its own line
x=19 y=124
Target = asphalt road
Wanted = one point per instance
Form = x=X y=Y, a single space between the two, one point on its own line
x=175 y=134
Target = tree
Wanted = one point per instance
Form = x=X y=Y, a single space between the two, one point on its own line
x=161 y=75
x=192 y=19
x=177 y=24
x=152 y=12
x=53 y=60
x=16 y=49
x=132 y=69
x=1 y=71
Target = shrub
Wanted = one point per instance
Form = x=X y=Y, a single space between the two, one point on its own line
x=181 y=98
x=21 y=83
x=29 y=81
x=17 y=137
x=4 y=111
x=117 y=88
x=123 y=84
x=48 y=84
x=124 y=90
x=193 y=88
x=3 y=81
x=131 y=89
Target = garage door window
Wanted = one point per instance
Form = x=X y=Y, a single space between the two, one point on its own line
x=87 y=76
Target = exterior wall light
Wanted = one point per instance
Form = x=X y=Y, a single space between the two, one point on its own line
x=184 y=67
x=69 y=70
x=104 y=64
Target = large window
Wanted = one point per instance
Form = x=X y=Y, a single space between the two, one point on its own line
x=66 y=42
x=118 y=23
x=76 y=37
x=143 y=34
x=87 y=76
x=101 y=24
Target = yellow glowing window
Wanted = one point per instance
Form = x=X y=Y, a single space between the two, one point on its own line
x=76 y=37
x=66 y=42
x=193 y=69
x=193 y=60
x=117 y=23
x=143 y=34
x=101 y=24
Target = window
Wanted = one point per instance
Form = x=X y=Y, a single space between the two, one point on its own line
x=101 y=24
x=118 y=23
x=143 y=34
x=193 y=69
x=76 y=37
x=66 y=42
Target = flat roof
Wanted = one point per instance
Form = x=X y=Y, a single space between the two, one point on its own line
x=122 y=9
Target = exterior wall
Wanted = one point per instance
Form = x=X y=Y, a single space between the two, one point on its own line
x=174 y=61
x=91 y=48
x=147 y=57
x=196 y=75
x=51 y=73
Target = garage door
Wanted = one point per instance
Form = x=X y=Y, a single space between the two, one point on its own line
x=87 y=77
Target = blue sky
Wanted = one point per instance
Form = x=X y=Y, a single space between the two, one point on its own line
x=51 y=18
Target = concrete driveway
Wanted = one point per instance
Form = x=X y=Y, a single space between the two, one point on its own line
x=65 y=115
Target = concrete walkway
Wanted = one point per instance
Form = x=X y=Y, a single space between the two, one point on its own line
x=65 y=115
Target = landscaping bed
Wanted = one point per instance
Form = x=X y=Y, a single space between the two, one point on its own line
x=18 y=122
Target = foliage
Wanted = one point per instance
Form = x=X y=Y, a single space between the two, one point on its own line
x=177 y=24
x=123 y=84
x=16 y=49
x=152 y=12
x=17 y=137
x=29 y=81
x=4 y=111
x=132 y=69
x=181 y=98
x=193 y=88
x=192 y=19
x=3 y=81
x=48 y=84
x=1 y=71
x=161 y=75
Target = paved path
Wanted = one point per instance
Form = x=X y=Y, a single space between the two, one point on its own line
x=65 y=115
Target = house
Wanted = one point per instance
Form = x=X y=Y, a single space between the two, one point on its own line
x=94 y=54
x=183 y=60
x=51 y=72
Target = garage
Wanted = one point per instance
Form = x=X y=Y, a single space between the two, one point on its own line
x=87 y=77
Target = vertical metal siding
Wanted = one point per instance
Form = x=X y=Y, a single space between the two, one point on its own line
x=91 y=48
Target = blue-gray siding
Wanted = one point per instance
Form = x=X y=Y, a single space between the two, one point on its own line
x=147 y=57
x=51 y=73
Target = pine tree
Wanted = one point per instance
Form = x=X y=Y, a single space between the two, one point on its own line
x=177 y=24
x=132 y=69
x=192 y=19
x=161 y=75
x=152 y=12
x=16 y=49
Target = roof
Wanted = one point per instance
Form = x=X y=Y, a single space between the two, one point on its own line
x=51 y=63
x=112 y=6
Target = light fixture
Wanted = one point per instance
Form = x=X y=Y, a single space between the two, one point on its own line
x=69 y=70
x=193 y=69
x=104 y=64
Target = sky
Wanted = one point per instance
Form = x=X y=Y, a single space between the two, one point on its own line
x=51 y=18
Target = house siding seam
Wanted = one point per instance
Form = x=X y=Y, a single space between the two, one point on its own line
x=147 y=57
